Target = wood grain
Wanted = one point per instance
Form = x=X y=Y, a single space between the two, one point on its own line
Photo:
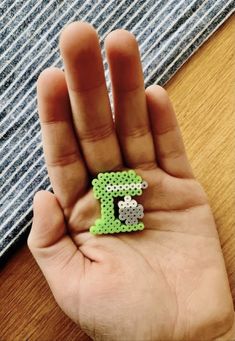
x=203 y=96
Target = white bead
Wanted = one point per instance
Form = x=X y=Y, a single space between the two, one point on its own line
x=144 y=184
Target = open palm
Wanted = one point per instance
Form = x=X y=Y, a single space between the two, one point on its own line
x=167 y=282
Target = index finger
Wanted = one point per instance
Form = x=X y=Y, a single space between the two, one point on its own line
x=65 y=165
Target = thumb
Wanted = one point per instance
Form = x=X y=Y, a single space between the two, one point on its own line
x=53 y=249
x=48 y=222
x=48 y=236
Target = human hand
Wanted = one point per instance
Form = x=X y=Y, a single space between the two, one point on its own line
x=167 y=282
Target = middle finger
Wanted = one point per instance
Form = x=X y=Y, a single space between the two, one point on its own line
x=89 y=98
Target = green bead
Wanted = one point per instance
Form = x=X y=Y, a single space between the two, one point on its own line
x=103 y=189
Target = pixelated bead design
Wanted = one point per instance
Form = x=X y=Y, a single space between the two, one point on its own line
x=108 y=186
x=130 y=211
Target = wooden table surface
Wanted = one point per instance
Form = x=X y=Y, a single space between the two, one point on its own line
x=203 y=95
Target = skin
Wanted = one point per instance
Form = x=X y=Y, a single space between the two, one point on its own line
x=167 y=282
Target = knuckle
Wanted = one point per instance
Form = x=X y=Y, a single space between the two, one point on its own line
x=63 y=160
x=97 y=133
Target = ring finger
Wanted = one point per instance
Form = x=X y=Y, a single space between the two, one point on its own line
x=131 y=115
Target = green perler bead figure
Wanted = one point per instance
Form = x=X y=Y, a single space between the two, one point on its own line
x=109 y=188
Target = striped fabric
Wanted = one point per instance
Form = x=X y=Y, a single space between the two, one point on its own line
x=168 y=31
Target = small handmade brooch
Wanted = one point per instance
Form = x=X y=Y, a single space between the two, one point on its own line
x=119 y=211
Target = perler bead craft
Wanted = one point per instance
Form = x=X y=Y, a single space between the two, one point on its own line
x=118 y=215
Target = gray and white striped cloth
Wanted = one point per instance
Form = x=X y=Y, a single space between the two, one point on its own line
x=168 y=32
